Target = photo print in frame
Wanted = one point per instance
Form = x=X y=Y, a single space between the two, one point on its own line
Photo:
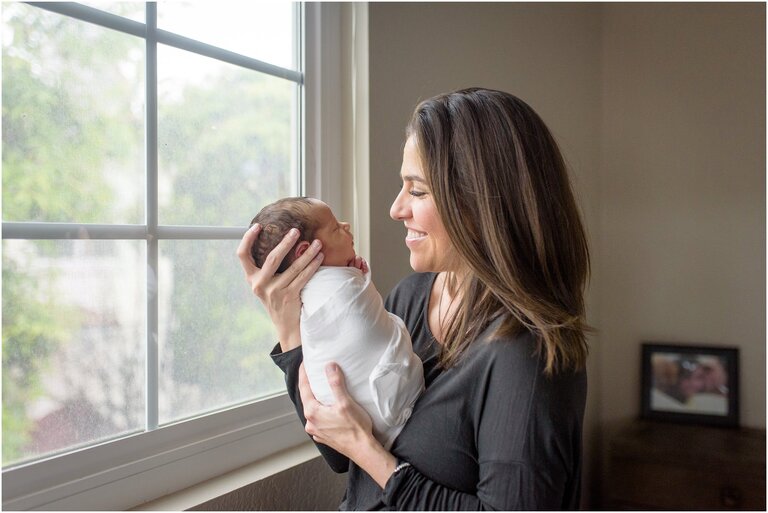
x=690 y=384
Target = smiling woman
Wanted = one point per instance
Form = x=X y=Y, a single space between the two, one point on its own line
x=495 y=311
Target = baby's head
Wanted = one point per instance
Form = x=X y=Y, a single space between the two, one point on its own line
x=314 y=220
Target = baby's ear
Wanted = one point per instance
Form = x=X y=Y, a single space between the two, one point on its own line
x=301 y=247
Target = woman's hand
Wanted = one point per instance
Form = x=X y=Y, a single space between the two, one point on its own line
x=345 y=426
x=280 y=294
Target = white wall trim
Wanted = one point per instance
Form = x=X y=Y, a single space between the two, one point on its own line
x=360 y=128
x=322 y=117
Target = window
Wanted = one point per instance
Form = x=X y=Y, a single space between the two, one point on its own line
x=138 y=141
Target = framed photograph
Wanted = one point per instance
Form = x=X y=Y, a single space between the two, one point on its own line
x=691 y=384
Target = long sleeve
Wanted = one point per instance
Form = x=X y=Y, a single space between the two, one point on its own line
x=517 y=488
x=517 y=445
x=289 y=362
x=409 y=490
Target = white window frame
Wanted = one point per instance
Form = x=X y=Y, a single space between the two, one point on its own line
x=127 y=472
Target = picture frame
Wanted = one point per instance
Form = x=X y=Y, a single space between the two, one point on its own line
x=690 y=384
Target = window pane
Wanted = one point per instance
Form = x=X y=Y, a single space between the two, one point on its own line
x=262 y=30
x=73 y=343
x=135 y=11
x=73 y=110
x=226 y=140
x=215 y=337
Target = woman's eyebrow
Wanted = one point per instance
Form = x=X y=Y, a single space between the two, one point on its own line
x=413 y=178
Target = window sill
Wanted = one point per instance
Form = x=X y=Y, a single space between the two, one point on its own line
x=124 y=473
x=231 y=481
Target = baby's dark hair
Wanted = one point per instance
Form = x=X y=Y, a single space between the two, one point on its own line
x=276 y=219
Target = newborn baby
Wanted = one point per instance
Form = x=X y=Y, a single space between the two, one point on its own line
x=343 y=319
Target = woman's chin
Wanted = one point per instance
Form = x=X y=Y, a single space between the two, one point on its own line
x=417 y=266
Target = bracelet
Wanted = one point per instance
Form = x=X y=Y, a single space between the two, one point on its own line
x=401 y=467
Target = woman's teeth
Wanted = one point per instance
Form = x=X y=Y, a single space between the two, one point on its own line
x=413 y=234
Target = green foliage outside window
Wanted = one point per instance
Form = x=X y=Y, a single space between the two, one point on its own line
x=60 y=139
x=72 y=134
x=32 y=330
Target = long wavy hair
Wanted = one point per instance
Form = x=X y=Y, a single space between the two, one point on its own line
x=502 y=191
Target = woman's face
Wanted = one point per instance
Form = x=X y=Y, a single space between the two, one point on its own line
x=426 y=238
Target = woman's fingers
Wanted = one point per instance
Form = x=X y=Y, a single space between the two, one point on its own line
x=305 y=274
x=296 y=276
x=341 y=425
x=308 y=400
x=244 y=249
x=305 y=392
x=276 y=256
x=310 y=405
x=302 y=269
x=337 y=383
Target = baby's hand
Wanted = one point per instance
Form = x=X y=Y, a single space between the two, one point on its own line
x=359 y=263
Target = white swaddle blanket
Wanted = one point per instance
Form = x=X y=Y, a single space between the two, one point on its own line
x=343 y=320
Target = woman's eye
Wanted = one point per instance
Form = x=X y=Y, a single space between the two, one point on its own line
x=416 y=194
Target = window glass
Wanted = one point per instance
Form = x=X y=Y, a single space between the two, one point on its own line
x=214 y=335
x=74 y=326
x=226 y=140
x=77 y=322
x=132 y=10
x=255 y=29
x=73 y=120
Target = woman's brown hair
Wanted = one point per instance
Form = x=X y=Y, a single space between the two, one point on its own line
x=502 y=191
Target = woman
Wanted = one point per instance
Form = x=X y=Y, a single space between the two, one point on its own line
x=495 y=311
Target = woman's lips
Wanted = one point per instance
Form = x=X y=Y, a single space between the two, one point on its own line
x=413 y=237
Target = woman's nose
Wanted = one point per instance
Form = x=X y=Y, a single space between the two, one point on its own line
x=398 y=210
x=346 y=226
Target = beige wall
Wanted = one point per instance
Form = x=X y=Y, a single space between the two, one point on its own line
x=682 y=190
x=546 y=53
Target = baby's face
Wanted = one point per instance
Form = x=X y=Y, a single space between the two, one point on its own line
x=338 y=243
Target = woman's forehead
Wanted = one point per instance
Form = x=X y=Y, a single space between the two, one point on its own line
x=411 y=170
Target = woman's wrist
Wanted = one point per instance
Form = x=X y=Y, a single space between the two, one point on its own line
x=377 y=462
x=289 y=340
x=289 y=344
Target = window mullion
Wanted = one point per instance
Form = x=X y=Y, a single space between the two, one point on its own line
x=152 y=391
